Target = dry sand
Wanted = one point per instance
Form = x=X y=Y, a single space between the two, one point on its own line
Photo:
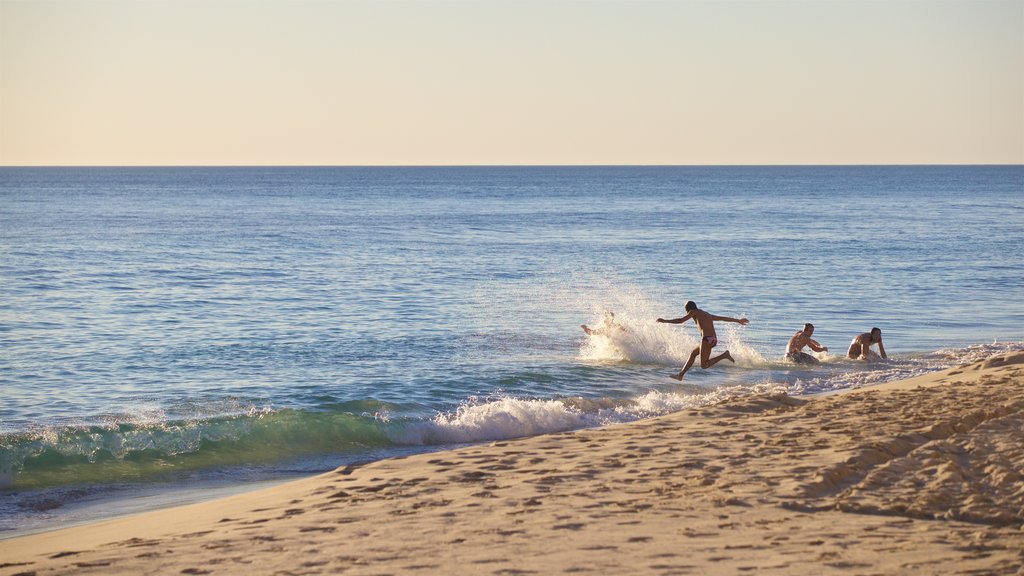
x=916 y=477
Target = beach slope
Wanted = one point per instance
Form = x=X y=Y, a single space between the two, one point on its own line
x=922 y=476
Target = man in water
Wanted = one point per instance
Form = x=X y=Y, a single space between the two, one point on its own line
x=861 y=345
x=797 y=343
x=606 y=326
x=708 y=339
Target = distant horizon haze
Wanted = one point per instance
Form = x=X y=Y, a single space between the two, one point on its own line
x=895 y=165
x=506 y=83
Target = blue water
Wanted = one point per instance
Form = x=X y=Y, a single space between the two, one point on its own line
x=161 y=326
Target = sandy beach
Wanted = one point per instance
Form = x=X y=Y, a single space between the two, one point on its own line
x=921 y=476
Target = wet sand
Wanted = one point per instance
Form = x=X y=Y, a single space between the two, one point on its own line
x=922 y=476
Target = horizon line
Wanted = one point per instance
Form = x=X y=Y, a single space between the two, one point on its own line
x=754 y=165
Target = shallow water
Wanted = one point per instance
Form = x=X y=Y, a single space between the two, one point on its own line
x=163 y=325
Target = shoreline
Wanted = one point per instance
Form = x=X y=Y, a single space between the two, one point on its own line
x=141 y=500
x=101 y=502
x=145 y=497
x=920 y=474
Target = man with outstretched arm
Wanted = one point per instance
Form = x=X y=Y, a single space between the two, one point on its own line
x=794 y=350
x=708 y=339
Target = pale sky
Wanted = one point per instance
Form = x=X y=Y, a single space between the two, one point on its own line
x=510 y=82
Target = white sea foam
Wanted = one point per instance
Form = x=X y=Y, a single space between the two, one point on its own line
x=498 y=419
x=841 y=373
x=502 y=418
x=506 y=418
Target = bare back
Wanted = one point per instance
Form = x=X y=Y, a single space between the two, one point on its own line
x=705 y=323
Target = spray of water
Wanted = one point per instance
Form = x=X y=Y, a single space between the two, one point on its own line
x=633 y=335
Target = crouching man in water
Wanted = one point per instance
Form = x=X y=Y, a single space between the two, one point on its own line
x=861 y=345
x=706 y=325
x=797 y=343
x=606 y=327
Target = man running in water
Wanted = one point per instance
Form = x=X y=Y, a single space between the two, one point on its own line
x=860 y=348
x=706 y=325
x=797 y=343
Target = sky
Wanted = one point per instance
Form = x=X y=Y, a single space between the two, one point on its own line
x=502 y=82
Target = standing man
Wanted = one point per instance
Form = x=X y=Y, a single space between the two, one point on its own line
x=708 y=339
x=861 y=345
x=797 y=343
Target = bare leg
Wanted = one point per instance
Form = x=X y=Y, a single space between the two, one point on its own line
x=723 y=356
x=854 y=351
x=705 y=353
x=689 y=364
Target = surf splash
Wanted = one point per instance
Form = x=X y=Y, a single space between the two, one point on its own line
x=642 y=340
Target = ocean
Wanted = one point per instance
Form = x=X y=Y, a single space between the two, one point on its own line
x=168 y=334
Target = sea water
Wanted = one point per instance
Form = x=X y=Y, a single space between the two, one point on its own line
x=164 y=328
